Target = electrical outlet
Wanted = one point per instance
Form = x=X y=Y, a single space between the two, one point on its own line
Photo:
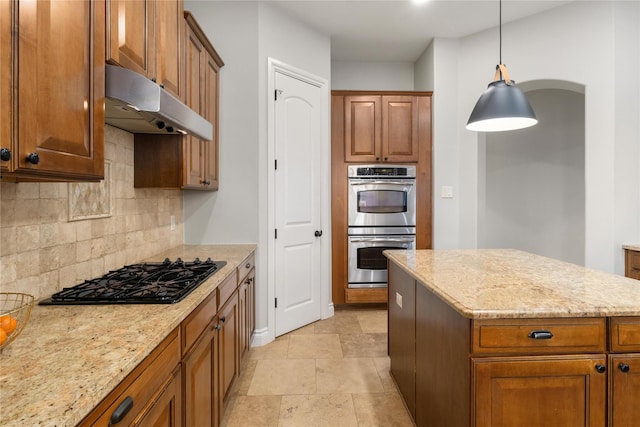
x=172 y=220
x=398 y=300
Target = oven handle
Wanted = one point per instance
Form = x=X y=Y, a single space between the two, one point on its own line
x=382 y=239
x=366 y=181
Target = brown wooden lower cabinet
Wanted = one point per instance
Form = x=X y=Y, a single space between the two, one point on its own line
x=200 y=373
x=186 y=380
x=458 y=372
x=229 y=348
x=539 y=391
x=624 y=390
x=166 y=411
x=632 y=263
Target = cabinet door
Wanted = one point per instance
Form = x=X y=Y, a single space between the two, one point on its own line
x=5 y=82
x=400 y=128
x=229 y=360
x=166 y=411
x=210 y=110
x=201 y=381
x=624 y=390
x=251 y=305
x=169 y=31
x=243 y=319
x=194 y=148
x=61 y=88
x=362 y=128
x=402 y=321
x=130 y=29
x=539 y=391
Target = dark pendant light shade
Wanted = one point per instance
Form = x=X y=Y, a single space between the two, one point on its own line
x=501 y=107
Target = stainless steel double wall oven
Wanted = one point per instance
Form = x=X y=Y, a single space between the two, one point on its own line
x=382 y=215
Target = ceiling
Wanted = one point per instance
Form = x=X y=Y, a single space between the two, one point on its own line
x=400 y=30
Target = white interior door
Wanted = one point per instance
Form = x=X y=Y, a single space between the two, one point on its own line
x=297 y=175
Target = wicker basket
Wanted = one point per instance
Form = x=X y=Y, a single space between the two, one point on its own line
x=15 y=309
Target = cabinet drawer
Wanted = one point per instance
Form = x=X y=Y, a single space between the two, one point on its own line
x=536 y=336
x=142 y=385
x=193 y=325
x=226 y=288
x=245 y=267
x=632 y=264
x=625 y=334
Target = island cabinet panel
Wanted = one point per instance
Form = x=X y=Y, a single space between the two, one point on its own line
x=442 y=362
x=539 y=391
x=167 y=409
x=402 y=333
x=624 y=390
x=229 y=349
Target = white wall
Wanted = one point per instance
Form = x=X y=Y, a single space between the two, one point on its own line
x=245 y=34
x=535 y=194
x=230 y=215
x=423 y=70
x=579 y=42
x=363 y=75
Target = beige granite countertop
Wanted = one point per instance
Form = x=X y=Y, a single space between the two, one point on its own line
x=632 y=246
x=68 y=358
x=507 y=283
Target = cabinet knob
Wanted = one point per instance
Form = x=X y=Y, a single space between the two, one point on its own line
x=33 y=158
x=377 y=158
x=601 y=369
x=623 y=367
x=218 y=327
x=247 y=265
x=386 y=158
x=5 y=154
x=223 y=319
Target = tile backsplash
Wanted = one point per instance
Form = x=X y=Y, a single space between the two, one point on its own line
x=55 y=235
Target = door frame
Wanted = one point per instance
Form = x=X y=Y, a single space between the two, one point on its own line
x=275 y=66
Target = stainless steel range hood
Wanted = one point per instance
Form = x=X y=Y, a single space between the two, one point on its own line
x=138 y=105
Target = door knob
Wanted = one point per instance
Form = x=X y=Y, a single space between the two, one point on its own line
x=318 y=233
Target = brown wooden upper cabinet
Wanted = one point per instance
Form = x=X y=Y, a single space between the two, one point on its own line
x=203 y=65
x=52 y=94
x=146 y=36
x=187 y=162
x=381 y=128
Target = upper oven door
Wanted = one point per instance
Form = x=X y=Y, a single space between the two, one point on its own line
x=382 y=202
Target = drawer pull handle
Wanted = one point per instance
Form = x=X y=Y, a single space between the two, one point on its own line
x=121 y=411
x=601 y=368
x=540 y=335
x=624 y=367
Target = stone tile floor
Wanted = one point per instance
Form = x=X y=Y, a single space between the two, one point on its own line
x=334 y=372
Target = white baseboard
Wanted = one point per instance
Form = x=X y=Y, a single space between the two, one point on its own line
x=261 y=337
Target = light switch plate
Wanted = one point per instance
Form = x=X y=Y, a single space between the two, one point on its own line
x=446 y=192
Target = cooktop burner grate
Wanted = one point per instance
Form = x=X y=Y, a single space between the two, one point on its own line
x=164 y=282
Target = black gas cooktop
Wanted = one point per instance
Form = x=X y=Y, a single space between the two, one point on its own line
x=164 y=282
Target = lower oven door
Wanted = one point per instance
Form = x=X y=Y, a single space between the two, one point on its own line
x=367 y=264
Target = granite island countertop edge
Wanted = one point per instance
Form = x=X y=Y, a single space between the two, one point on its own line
x=496 y=284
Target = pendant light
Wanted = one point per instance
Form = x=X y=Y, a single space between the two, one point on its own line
x=502 y=106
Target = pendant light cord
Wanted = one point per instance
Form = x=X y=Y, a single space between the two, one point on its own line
x=500 y=27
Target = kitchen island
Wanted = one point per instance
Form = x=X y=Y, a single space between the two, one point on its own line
x=69 y=358
x=505 y=337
